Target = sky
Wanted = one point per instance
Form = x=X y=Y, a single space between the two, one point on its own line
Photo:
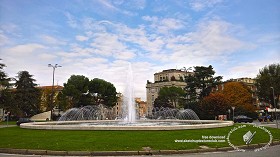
x=100 y=38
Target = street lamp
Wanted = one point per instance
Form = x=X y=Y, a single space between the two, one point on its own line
x=228 y=114
x=54 y=67
x=275 y=107
x=233 y=112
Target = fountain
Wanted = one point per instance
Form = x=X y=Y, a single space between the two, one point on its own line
x=129 y=103
x=92 y=117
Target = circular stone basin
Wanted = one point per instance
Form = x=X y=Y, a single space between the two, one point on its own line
x=121 y=125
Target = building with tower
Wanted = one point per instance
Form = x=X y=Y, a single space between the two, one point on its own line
x=166 y=78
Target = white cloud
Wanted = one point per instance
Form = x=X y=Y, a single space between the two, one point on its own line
x=213 y=40
x=199 y=5
x=47 y=56
x=81 y=38
x=10 y=29
x=108 y=5
x=164 y=25
x=107 y=44
x=71 y=20
x=268 y=38
x=52 y=40
x=3 y=39
x=125 y=55
x=95 y=61
x=25 y=49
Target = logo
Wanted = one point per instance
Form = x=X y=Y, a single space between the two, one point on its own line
x=248 y=137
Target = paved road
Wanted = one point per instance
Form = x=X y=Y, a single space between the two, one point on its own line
x=272 y=151
x=268 y=124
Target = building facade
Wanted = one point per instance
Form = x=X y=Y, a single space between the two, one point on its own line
x=141 y=108
x=166 y=78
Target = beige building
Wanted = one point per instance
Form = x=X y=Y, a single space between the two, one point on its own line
x=166 y=78
x=117 y=109
x=141 y=107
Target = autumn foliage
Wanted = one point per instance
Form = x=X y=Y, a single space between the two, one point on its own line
x=213 y=105
x=239 y=96
x=233 y=94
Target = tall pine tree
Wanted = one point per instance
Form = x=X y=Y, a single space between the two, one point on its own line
x=201 y=83
x=5 y=95
x=27 y=96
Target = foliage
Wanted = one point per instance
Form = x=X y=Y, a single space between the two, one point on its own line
x=4 y=80
x=193 y=105
x=239 y=96
x=103 y=92
x=75 y=88
x=81 y=92
x=213 y=105
x=172 y=95
x=201 y=82
x=161 y=101
x=27 y=97
x=268 y=77
x=4 y=84
x=63 y=102
x=46 y=104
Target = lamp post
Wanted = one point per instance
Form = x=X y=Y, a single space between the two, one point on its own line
x=275 y=107
x=233 y=112
x=228 y=114
x=54 y=67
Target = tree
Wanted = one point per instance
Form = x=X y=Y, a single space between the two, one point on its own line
x=27 y=96
x=173 y=95
x=63 y=102
x=103 y=92
x=5 y=95
x=213 y=105
x=46 y=100
x=75 y=89
x=239 y=96
x=162 y=102
x=83 y=92
x=268 y=77
x=201 y=82
x=4 y=80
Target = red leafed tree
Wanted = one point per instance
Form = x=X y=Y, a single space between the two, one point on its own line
x=213 y=105
x=239 y=96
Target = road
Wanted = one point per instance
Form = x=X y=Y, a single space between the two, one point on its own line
x=272 y=151
x=268 y=124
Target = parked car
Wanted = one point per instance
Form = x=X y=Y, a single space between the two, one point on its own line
x=242 y=118
x=265 y=118
x=23 y=120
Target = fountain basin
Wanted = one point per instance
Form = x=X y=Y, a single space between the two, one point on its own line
x=120 y=125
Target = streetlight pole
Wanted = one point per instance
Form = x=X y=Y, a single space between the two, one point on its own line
x=233 y=112
x=54 y=67
x=275 y=107
x=228 y=114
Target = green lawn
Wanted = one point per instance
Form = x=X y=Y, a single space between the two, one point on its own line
x=9 y=123
x=15 y=137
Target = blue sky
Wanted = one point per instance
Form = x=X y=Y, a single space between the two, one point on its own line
x=97 y=38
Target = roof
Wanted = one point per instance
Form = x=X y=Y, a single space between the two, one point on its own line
x=56 y=87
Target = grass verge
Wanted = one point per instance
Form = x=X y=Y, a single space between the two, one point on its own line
x=9 y=123
x=15 y=137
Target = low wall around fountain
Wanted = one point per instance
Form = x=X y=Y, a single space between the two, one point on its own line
x=78 y=125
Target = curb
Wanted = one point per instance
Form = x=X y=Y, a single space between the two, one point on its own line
x=125 y=153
